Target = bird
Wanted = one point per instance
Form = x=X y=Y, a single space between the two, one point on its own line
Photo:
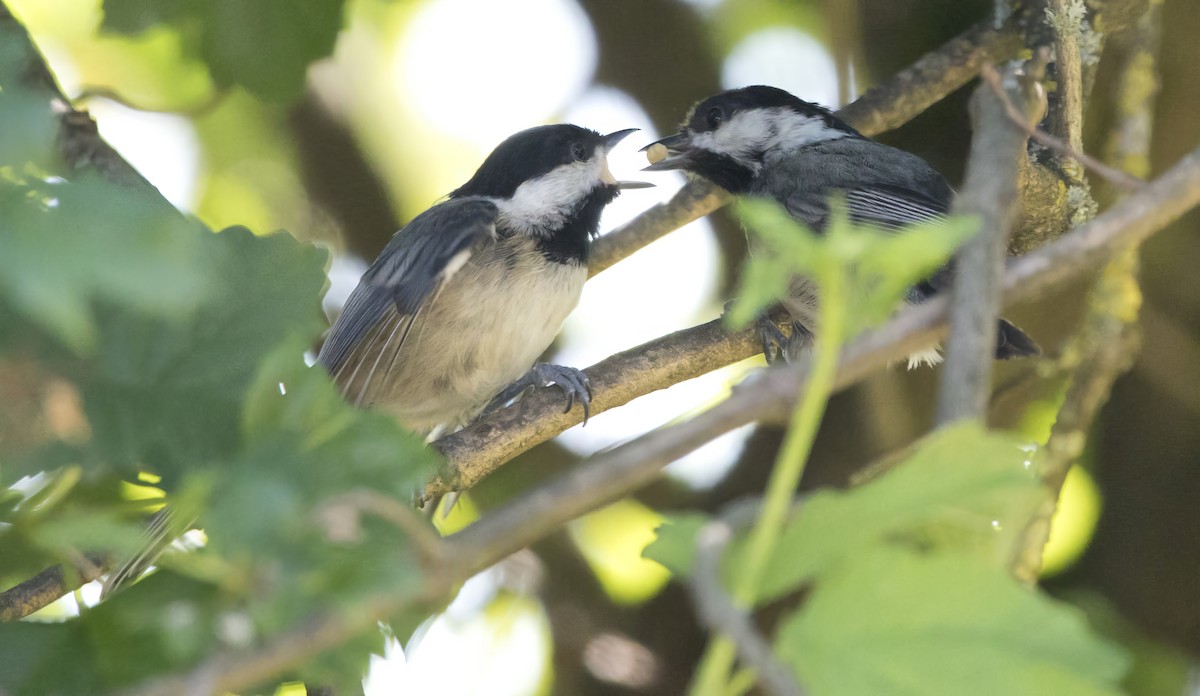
x=449 y=320
x=451 y=317
x=762 y=141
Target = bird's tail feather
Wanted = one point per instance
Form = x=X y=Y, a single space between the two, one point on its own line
x=1012 y=342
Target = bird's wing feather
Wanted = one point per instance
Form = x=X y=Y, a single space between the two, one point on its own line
x=380 y=313
x=891 y=207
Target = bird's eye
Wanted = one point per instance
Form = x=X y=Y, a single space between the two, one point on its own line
x=578 y=151
x=715 y=117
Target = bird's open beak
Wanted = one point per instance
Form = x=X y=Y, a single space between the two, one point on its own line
x=672 y=152
x=610 y=141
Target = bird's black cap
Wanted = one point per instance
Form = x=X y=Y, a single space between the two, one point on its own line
x=527 y=155
x=711 y=112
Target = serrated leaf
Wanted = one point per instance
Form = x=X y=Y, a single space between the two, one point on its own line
x=168 y=393
x=674 y=545
x=900 y=623
x=963 y=488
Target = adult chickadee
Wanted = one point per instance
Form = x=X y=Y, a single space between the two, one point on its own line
x=762 y=141
x=465 y=298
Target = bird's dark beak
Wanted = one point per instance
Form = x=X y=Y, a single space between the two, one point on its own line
x=610 y=141
x=676 y=156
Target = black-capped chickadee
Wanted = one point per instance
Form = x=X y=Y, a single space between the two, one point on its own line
x=762 y=141
x=464 y=299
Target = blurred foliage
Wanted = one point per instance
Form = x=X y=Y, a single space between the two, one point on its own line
x=264 y=46
x=910 y=587
x=185 y=349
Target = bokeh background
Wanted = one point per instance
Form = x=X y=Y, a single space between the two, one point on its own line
x=418 y=91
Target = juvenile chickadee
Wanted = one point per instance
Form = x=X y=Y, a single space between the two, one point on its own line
x=465 y=298
x=762 y=141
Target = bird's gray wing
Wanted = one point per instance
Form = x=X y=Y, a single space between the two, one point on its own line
x=891 y=207
x=370 y=332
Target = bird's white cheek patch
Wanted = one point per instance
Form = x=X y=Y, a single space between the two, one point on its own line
x=759 y=130
x=544 y=202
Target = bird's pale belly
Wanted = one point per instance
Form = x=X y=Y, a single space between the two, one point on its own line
x=467 y=346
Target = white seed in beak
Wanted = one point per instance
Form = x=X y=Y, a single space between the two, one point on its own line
x=656 y=153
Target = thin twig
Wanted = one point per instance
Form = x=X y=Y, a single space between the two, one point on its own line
x=932 y=77
x=197 y=110
x=1116 y=177
x=716 y=608
x=989 y=194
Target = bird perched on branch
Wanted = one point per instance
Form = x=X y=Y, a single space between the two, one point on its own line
x=457 y=308
x=763 y=141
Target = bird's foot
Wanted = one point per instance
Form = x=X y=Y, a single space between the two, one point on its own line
x=780 y=347
x=573 y=382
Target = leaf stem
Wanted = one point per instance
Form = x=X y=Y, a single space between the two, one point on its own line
x=713 y=675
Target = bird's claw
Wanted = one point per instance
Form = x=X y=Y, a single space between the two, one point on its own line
x=575 y=385
x=573 y=382
x=779 y=347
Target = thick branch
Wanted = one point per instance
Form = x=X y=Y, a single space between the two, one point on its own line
x=79 y=141
x=1105 y=345
x=990 y=194
x=476 y=451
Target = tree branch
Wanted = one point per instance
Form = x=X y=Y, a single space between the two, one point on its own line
x=79 y=141
x=990 y=193
x=934 y=76
x=1106 y=344
x=48 y=586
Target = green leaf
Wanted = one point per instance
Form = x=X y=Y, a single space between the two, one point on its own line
x=899 y=623
x=674 y=545
x=29 y=127
x=93 y=530
x=67 y=247
x=793 y=249
x=167 y=394
x=963 y=489
x=264 y=46
x=892 y=262
x=881 y=264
